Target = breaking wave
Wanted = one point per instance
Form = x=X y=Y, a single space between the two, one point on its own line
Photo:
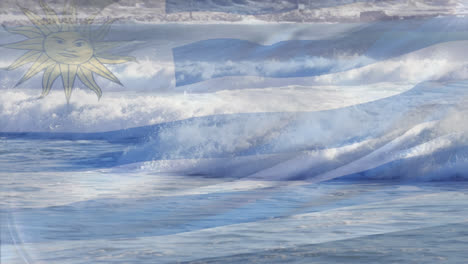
x=419 y=134
x=402 y=118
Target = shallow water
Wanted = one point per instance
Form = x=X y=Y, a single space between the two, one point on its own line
x=61 y=213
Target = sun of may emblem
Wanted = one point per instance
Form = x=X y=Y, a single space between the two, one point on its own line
x=60 y=46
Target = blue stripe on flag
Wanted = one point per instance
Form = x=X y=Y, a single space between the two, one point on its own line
x=213 y=58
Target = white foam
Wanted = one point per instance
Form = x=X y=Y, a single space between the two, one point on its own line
x=21 y=110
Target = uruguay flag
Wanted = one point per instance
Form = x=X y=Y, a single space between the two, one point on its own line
x=253 y=141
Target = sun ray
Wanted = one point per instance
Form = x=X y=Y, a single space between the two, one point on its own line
x=69 y=17
x=29 y=32
x=59 y=46
x=28 y=44
x=52 y=17
x=73 y=13
x=68 y=73
x=50 y=75
x=95 y=66
x=90 y=19
x=101 y=47
x=28 y=57
x=86 y=28
x=87 y=78
x=103 y=30
x=42 y=62
x=37 y=21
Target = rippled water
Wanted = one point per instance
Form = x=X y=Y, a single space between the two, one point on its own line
x=71 y=208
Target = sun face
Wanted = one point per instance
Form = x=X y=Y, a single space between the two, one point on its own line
x=59 y=47
x=68 y=48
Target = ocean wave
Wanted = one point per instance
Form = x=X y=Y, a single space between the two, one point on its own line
x=399 y=118
x=419 y=134
x=23 y=111
x=422 y=130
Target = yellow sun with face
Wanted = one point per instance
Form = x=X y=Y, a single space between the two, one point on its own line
x=59 y=46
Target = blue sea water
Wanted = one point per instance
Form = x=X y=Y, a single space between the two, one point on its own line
x=60 y=211
x=364 y=165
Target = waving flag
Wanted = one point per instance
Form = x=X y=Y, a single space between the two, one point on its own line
x=212 y=58
x=233 y=131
